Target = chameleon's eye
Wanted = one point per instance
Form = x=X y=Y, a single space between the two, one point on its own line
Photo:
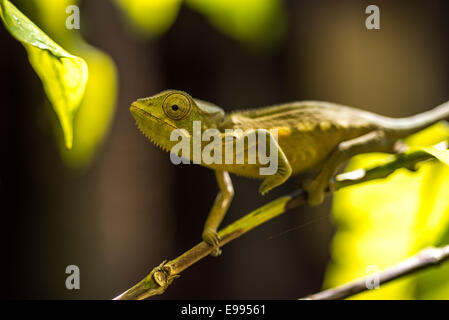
x=176 y=106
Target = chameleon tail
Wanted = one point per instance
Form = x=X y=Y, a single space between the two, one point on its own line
x=409 y=125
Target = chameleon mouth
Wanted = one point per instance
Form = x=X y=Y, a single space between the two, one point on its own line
x=136 y=110
x=151 y=127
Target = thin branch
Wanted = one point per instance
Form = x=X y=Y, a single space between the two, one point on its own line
x=162 y=276
x=424 y=259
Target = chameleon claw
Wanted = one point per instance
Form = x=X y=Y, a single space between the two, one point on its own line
x=212 y=238
x=274 y=180
x=265 y=187
x=217 y=252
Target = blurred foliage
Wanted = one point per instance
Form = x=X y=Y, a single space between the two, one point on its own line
x=259 y=22
x=63 y=75
x=383 y=222
x=251 y=21
x=96 y=112
x=150 y=17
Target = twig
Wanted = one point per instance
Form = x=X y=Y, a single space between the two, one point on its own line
x=162 y=276
x=423 y=259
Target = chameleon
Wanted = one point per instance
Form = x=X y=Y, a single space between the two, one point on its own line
x=312 y=135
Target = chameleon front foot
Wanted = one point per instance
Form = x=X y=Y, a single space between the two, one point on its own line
x=275 y=180
x=265 y=187
x=212 y=238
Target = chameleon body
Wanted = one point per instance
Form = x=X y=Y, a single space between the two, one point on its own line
x=311 y=135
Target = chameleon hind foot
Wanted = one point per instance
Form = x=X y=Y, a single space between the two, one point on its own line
x=212 y=238
x=315 y=191
x=374 y=141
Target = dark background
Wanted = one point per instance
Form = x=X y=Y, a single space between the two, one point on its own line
x=132 y=208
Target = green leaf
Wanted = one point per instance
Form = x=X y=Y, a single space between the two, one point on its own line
x=63 y=75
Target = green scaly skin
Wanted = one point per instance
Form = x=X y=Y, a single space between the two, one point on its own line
x=311 y=134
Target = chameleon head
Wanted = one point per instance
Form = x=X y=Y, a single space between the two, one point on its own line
x=157 y=116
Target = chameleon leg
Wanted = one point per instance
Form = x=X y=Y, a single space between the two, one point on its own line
x=375 y=141
x=219 y=209
x=276 y=173
x=284 y=169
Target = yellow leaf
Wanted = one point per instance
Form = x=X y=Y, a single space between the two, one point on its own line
x=64 y=76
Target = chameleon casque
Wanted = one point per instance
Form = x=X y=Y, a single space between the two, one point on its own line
x=311 y=135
